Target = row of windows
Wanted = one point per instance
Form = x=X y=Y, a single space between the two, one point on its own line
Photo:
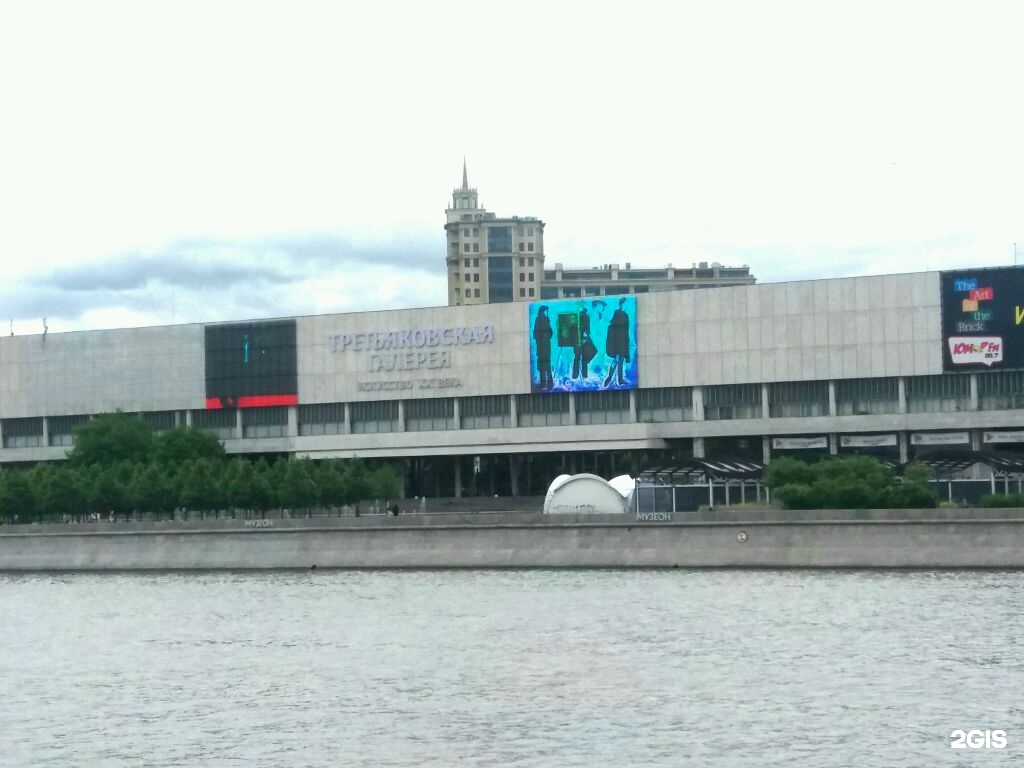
x=470 y=293
x=946 y=392
x=475 y=231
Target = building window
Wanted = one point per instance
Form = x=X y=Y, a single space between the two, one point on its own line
x=522 y=277
x=1001 y=390
x=519 y=231
x=862 y=397
x=499 y=240
x=602 y=407
x=465 y=247
x=476 y=247
x=221 y=422
x=476 y=277
x=465 y=262
x=531 y=292
x=476 y=232
x=476 y=262
x=521 y=260
x=529 y=246
x=476 y=293
x=798 y=398
x=732 y=401
x=529 y=232
x=530 y=260
x=467 y=277
x=531 y=277
x=458 y=291
x=543 y=410
x=380 y=416
x=549 y=292
x=522 y=293
x=265 y=422
x=322 y=419
x=522 y=247
x=664 y=404
x=430 y=414
x=487 y=412
x=948 y=392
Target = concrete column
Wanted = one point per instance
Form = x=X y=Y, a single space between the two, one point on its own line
x=456 y=414
x=401 y=415
x=833 y=444
x=766 y=449
x=901 y=438
x=239 y=430
x=902 y=387
x=572 y=409
x=46 y=431
x=347 y=426
x=1 y=433
x=698 y=403
x=832 y=409
x=293 y=421
x=513 y=473
x=973 y=403
x=632 y=406
x=177 y=418
x=698 y=447
x=458 y=477
x=188 y=418
x=513 y=411
x=766 y=409
x=975 y=436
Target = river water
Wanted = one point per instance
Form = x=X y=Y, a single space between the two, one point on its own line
x=510 y=668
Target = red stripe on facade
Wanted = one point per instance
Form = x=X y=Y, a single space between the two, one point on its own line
x=254 y=401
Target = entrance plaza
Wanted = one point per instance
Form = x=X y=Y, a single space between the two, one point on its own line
x=498 y=399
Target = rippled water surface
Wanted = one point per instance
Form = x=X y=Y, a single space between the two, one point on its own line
x=510 y=668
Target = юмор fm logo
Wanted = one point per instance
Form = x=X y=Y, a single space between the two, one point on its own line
x=976 y=349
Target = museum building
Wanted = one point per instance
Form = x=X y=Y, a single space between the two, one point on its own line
x=501 y=398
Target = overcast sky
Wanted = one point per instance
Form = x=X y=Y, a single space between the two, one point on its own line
x=216 y=160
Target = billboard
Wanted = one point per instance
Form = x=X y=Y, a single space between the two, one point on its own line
x=583 y=344
x=251 y=365
x=982 y=312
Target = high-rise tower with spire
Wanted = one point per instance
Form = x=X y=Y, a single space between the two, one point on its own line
x=491 y=259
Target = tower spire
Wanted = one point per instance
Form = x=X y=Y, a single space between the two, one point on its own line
x=465 y=177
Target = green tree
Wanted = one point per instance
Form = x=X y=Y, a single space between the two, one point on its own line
x=181 y=444
x=62 y=494
x=299 y=491
x=241 y=492
x=200 y=489
x=331 y=482
x=111 y=438
x=384 y=483
x=17 y=502
x=107 y=492
x=151 y=489
x=358 y=483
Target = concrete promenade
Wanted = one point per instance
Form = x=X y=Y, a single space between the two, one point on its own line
x=953 y=538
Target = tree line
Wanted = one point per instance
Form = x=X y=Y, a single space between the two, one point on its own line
x=119 y=466
x=856 y=482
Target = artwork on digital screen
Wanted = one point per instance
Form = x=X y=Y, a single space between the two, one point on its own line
x=581 y=345
x=251 y=365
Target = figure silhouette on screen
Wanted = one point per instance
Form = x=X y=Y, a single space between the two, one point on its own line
x=617 y=346
x=542 y=334
x=581 y=348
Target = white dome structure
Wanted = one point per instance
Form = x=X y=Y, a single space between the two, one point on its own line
x=583 y=494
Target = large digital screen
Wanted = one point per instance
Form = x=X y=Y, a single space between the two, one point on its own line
x=583 y=344
x=982 y=312
x=251 y=365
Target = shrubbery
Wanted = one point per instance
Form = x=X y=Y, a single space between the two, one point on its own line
x=858 y=482
x=1002 y=500
x=183 y=467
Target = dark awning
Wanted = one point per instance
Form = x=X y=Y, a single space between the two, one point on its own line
x=701 y=470
x=944 y=462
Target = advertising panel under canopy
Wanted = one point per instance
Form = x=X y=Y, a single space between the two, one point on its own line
x=251 y=364
x=982 y=316
x=583 y=344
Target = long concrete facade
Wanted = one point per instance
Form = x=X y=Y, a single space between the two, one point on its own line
x=821 y=364
x=974 y=539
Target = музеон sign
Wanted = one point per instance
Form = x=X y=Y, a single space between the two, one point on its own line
x=409 y=350
x=982 y=313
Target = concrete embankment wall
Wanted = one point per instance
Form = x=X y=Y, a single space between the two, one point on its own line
x=974 y=539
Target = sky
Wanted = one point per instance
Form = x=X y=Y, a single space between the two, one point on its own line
x=199 y=161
